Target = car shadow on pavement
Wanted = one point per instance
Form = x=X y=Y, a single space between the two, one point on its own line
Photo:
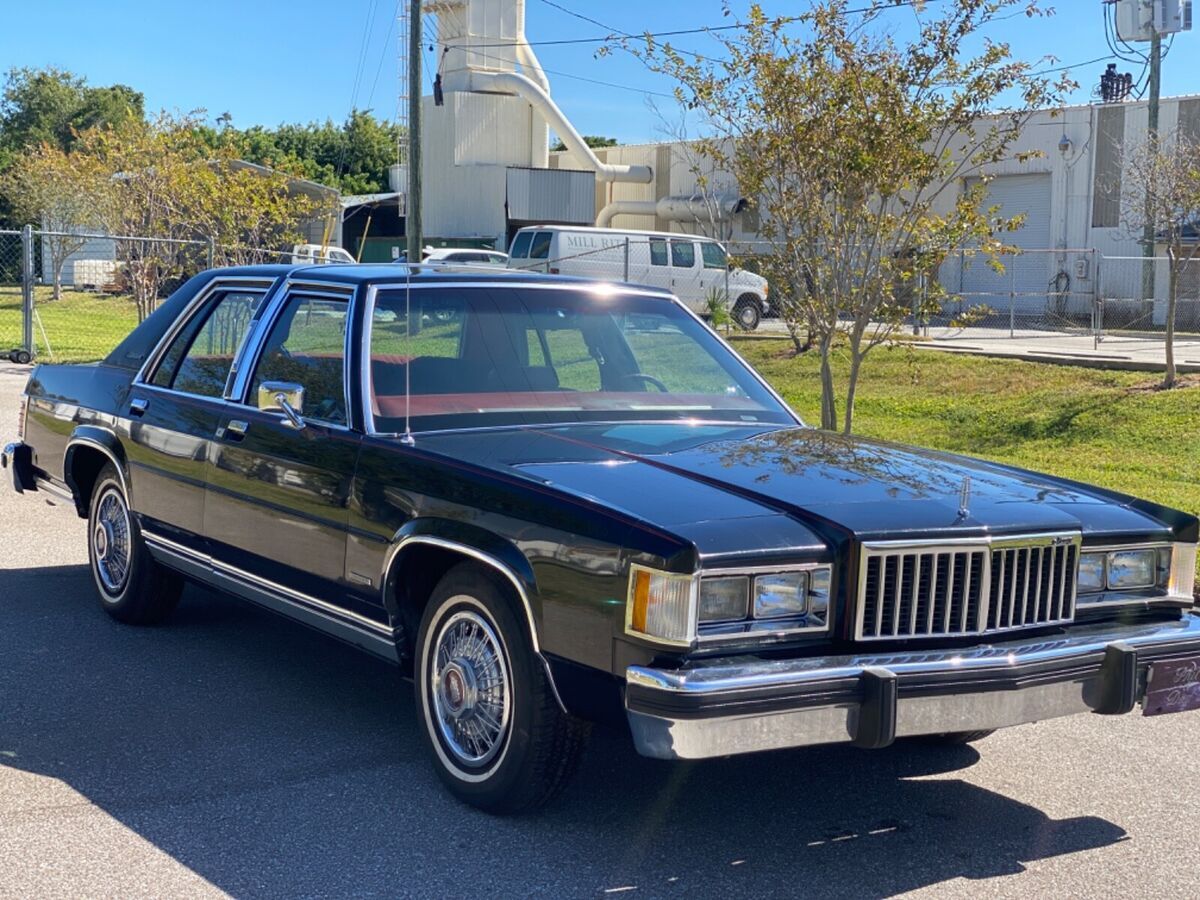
x=272 y=760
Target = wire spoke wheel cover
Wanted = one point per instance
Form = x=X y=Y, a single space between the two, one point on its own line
x=470 y=687
x=111 y=541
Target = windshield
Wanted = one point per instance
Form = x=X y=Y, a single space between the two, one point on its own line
x=515 y=356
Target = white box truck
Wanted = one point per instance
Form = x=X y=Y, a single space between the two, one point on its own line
x=692 y=267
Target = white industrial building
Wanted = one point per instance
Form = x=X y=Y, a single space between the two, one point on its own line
x=487 y=172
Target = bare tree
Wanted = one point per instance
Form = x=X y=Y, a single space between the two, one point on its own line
x=1161 y=188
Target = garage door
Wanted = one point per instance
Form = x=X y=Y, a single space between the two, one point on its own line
x=1027 y=275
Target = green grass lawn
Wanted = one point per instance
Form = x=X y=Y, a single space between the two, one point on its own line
x=1107 y=428
x=81 y=327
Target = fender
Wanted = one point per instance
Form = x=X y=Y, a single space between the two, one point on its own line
x=487 y=548
x=96 y=438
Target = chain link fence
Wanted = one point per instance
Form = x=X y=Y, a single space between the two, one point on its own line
x=72 y=297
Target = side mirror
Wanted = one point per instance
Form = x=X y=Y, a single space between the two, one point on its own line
x=283 y=396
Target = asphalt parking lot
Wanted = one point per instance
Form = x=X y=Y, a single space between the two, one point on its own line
x=232 y=752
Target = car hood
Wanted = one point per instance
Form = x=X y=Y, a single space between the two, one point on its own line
x=692 y=478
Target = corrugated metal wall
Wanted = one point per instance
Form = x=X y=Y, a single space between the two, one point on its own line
x=1106 y=182
x=550 y=195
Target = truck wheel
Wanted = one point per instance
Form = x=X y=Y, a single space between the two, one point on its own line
x=133 y=588
x=21 y=357
x=498 y=738
x=746 y=312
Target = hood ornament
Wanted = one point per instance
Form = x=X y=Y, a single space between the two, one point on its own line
x=964 y=498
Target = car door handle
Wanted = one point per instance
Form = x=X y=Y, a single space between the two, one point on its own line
x=137 y=406
x=234 y=430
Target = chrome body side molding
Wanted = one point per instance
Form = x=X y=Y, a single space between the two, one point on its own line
x=336 y=621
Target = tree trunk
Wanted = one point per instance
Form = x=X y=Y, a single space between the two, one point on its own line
x=829 y=416
x=856 y=359
x=1169 y=376
x=58 y=260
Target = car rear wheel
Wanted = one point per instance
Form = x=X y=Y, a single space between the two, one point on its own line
x=133 y=588
x=498 y=739
x=747 y=312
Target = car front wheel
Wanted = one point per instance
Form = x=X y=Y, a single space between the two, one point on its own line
x=498 y=738
x=133 y=588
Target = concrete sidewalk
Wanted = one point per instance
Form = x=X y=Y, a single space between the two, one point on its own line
x=1114 y=351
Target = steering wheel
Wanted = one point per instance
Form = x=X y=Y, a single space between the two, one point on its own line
x=648 y=379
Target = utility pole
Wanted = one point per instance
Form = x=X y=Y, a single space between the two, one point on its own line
x=412 y=209
x=1152 y=138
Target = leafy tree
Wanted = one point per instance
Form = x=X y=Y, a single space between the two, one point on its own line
x=164 y=181
x=1162 y=189
x=857 y=146
x=50 y=106
x=353 y=156
x=592 y=140
x=62 y=192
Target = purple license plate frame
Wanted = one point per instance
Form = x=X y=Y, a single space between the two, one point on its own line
x=1172 y=687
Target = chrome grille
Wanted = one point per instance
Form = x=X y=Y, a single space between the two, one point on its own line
x=1032 y=586
x=915 y=589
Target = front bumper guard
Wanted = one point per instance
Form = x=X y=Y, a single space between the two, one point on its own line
x=723 y=707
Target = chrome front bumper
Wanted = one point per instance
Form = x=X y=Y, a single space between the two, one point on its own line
x=722 y=707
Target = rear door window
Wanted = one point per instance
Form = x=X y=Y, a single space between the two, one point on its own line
x=683 y=254
x=520 y=245
x=200 y=357
x=658 y=252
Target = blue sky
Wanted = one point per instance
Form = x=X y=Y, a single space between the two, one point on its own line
x=272 y=61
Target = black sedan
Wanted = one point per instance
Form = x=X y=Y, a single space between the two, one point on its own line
x=555 y=502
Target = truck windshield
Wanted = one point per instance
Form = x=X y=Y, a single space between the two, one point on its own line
x=471 y=357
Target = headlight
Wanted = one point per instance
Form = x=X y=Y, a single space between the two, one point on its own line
x=1091 y=572
x=819 y=582
x=1131 y=569
x=724 y=599
x=780 y=594
x=785 y=600
x=1171 y=569
x=661 y=606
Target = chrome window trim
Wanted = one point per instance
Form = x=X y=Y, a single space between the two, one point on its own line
x=762 y=634
x=220 y=283
x=988 y=543
x=488 y=560
x=318 y=605
x=253 y=350
x=368 y=321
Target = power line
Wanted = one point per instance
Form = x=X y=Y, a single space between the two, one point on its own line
x=706 y=29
